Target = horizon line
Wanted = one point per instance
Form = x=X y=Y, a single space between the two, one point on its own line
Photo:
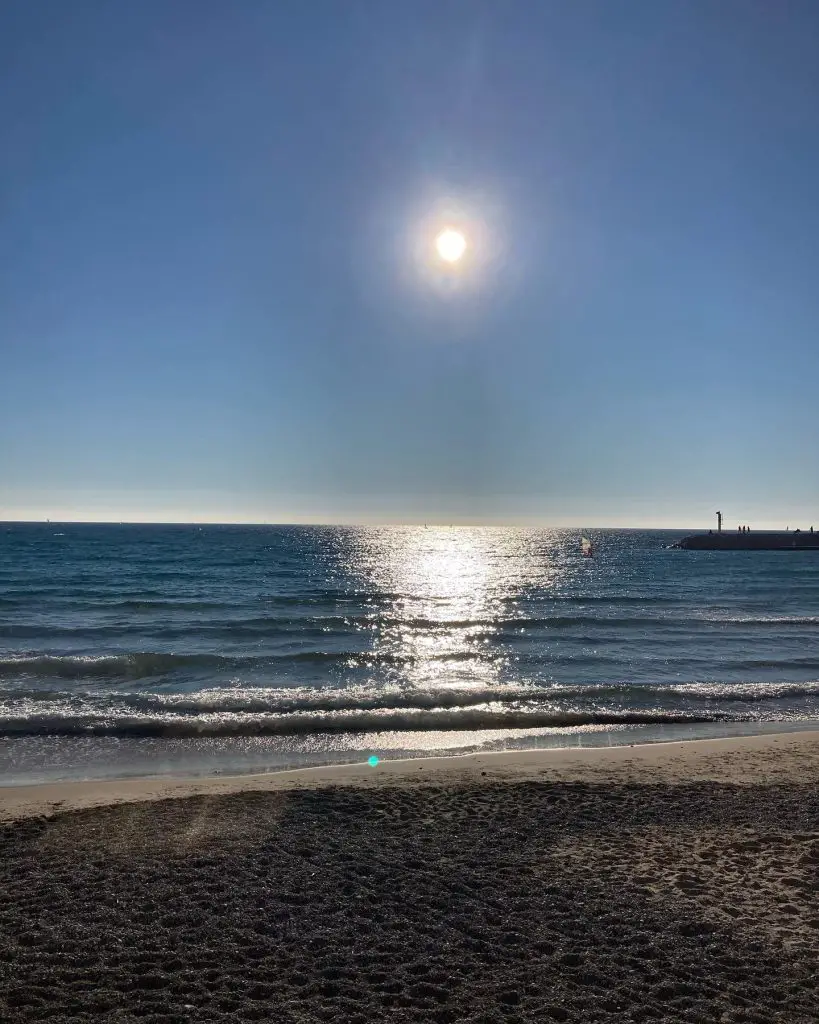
x=349 y=524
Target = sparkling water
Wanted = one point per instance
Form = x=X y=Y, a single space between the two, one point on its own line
x=137 y=648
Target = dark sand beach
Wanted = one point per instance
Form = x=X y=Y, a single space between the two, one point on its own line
x=666 y=883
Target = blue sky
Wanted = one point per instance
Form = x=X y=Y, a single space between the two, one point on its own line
x=218 y=292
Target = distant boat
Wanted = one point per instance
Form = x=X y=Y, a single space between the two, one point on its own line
x=586 y=547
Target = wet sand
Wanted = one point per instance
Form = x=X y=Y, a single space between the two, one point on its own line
x=675 y=882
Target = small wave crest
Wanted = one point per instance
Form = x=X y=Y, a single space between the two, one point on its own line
x=300 y=710
x=285 y=700
x=149 y=665
x=728 y=619
x=132 y=666
x=471 y=719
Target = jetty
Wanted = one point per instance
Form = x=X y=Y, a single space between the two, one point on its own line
x=763 y=540
x=744 y=539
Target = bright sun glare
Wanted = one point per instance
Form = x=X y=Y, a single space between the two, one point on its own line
x=451 y=245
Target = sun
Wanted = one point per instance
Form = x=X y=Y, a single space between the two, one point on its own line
x=450 y=244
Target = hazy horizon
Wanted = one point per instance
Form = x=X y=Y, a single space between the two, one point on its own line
x=522 y=524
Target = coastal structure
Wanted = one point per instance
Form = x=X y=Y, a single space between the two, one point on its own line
x=745 y=539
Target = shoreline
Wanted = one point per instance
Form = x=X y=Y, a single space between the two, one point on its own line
x=739 y=760
x=655 y=883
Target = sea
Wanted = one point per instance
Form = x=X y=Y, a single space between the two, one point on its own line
x=147 y=649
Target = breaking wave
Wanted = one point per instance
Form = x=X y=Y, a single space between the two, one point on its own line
x=282 y=711
x=362 y=721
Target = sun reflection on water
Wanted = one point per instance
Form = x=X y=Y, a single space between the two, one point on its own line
x=444 y=596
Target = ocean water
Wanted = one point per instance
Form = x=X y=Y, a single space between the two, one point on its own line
x=126 y=649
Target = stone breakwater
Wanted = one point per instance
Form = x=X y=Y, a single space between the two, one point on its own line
x=763 y=540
